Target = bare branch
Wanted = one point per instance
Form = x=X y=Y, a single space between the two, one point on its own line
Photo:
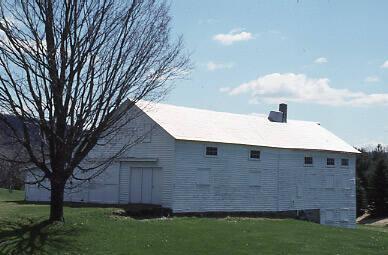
x=75 y=68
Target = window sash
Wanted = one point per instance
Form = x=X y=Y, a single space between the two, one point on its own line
x=344 y=162
x=330 y=161
x=254 y=154
x=211 y=151
x=308 y=160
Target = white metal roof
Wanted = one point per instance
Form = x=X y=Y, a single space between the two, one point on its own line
x=192 y=124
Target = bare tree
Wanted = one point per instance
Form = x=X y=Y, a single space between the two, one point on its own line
x=74 y=68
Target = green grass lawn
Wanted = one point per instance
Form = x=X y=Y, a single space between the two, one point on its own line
x=91 y=230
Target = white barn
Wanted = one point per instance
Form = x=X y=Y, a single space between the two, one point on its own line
x=196 y=160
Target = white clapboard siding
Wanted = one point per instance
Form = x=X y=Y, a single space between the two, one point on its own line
x=159 y=146
x=285 y=183
x=113 y=185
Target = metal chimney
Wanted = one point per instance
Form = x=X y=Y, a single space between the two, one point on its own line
x=283 y=109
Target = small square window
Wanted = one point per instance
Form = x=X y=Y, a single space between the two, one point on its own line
x=344 y=162
x=211 y=151
x=308 y=160
x=254 y=154
x=330 y=161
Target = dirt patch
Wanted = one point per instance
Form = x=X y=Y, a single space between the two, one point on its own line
x=367 y=219
x=141 y=211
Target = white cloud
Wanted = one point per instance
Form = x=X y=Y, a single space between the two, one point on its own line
x=371 y=79
x=212 y=66
x=276 y=87
x=235 y=35
x=385 y=64
x=321 y=60
x=225 y=89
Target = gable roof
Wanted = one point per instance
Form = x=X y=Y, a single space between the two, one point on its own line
x=192 y=124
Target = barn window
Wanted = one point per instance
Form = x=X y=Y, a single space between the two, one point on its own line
x=211 y=151
x=344 y=162
x=329 y=215
x=348 y=183
x=329 y=181
x=308 y=161
x=203 y=176
x=254 y=179
x=313 y=181
x=330 y=161
x=254 y=154
x=344 y=215
x=339 y=182
x=352 y=186
x=299 y=190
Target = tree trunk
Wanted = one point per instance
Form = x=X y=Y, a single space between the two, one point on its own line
x=56 y=204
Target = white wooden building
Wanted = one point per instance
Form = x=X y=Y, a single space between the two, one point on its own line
x=194 y=160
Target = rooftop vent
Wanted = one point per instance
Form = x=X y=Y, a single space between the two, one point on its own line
x=279 y=116
x=275 y=116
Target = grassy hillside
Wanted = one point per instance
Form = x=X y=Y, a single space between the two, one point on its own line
x=96 y=231
x=14 y=195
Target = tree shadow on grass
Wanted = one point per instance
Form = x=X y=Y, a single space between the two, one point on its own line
x=28 y=236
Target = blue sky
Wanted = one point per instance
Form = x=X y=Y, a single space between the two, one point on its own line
x=324 y=58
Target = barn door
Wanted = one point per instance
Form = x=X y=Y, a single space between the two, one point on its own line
x=156 y=177
x=124 y=183
x=136 y=184
x=145 y=185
